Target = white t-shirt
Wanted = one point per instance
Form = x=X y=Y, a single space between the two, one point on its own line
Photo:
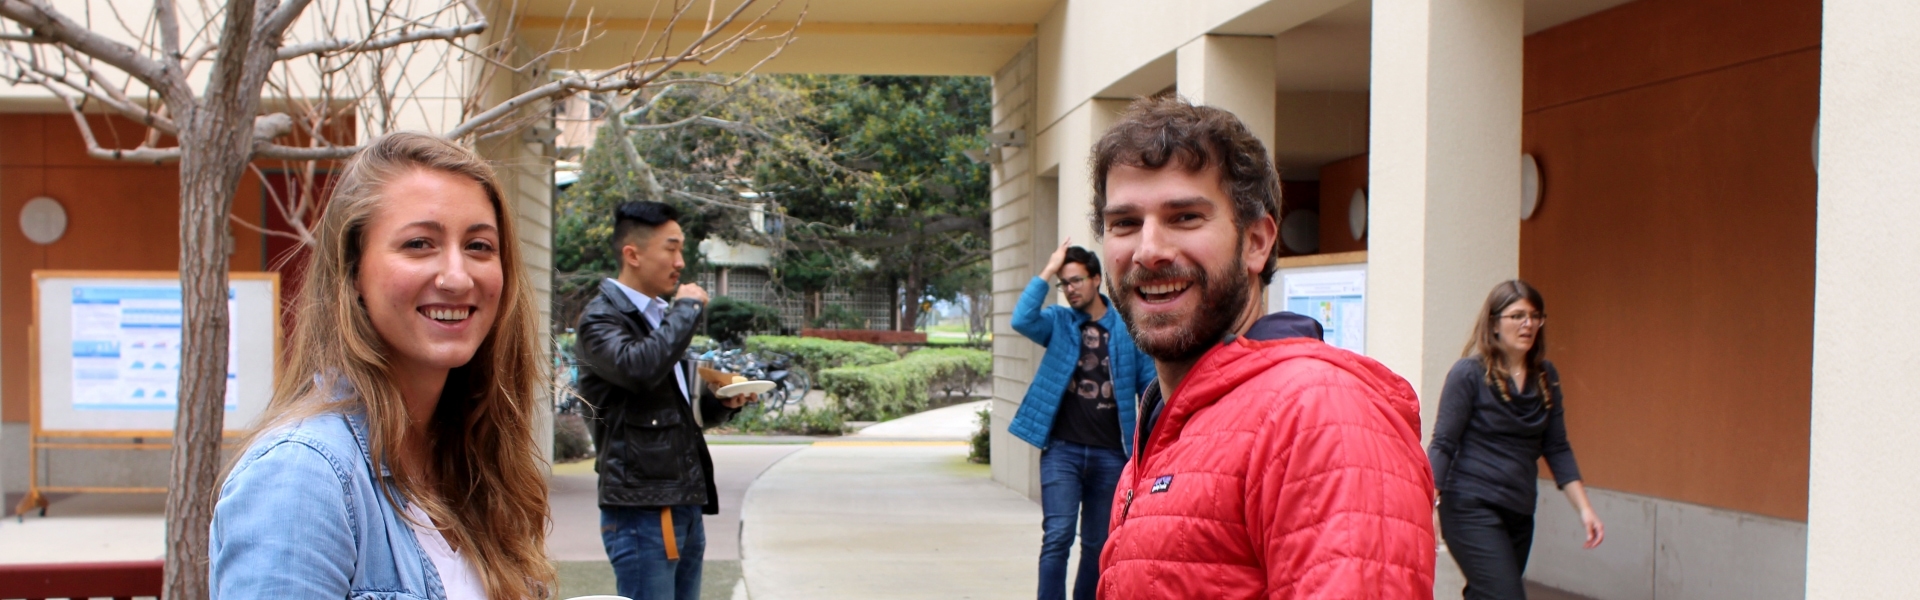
x=457 y=575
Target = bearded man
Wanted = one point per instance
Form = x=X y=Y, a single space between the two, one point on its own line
x=1268 y=464
x=1079 y=412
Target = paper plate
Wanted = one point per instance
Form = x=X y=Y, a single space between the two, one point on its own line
x=744 y=387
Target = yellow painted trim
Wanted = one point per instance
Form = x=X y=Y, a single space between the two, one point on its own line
x=87 y=489
x=849 y=444
x=1319 y=260
x=578 y=467
x=777 y=25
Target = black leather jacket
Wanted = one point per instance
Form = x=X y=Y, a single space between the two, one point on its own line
x=650 y=449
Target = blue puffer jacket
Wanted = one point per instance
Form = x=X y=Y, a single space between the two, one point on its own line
x=1043 y=324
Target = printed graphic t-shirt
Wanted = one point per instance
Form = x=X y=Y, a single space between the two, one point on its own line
x=1088 y=414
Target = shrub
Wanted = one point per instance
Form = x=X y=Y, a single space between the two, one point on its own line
x=728 y=319
x=834 y=316
x=980 y=449
x=758 y=418
x=902 y=387
x=571 y=441
x=817 y=354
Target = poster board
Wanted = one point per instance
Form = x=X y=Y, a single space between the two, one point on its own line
x=1331 y=289
x=106 y=354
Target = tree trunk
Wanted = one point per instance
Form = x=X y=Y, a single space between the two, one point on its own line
x=209 y=172
x=910 y=299
x=216 y=143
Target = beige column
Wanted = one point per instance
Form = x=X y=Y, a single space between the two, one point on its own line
x=1019 y=226
x=1073 y=138
x=1444 y=184
x=1861 y=524
x=1232 y=72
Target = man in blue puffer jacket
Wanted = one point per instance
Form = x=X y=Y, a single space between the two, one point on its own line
x=1079 y=412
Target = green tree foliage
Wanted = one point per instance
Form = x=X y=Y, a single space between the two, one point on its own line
x=730 y=320
x=906 y=197
x=848 y=179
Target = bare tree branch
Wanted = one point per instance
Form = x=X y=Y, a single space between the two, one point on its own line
x=281 y=18
x=734 y=126
x=34 y=72
x=42 y=19
x=142 y=154
x=378 y=44
x=169 y=21
x=608 y=80
x=282 y=152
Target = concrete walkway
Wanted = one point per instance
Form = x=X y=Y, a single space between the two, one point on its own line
x=894 y=511
x=883 y=519
x=954 y=423
x=88 y=528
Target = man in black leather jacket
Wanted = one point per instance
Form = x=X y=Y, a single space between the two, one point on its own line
x=649 y=405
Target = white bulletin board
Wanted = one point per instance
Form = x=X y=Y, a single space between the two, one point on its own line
x=106 y=351
x=1333 y=292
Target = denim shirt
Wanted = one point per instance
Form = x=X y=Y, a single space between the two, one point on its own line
x=301 y=516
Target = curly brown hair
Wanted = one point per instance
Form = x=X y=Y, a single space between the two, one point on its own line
x=1163 y=130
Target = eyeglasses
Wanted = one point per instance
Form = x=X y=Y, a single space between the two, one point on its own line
x=1522 y=318
x=1071 y=282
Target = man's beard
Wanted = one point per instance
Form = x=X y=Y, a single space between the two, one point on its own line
x=1085 y=301
x=1184 y=337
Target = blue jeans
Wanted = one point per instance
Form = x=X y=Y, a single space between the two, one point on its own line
x=1075 y=481
x=638 y=550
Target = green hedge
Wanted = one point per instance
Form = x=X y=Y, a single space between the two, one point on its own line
x=903 y=387
x=817 y=354
x=728 y=319
x=757 y=418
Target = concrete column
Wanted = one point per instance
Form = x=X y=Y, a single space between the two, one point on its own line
x=1018 y=195
x=1074 y=136
x=1866 y=336
x=1232 y=72
x=1444 y=181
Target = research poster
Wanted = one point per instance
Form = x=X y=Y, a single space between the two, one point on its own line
x=126 y=348
x=1334 y=296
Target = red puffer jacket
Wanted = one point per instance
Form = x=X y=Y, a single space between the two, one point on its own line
x=1281 y=468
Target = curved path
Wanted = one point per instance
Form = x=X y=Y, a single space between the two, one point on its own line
x=892 y=512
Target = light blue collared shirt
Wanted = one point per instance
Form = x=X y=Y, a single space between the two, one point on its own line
x=655 y=309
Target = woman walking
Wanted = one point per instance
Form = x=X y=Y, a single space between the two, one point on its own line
x=397 y=456
x=1500 y=413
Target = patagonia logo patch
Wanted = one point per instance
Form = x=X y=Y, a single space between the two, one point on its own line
x=1161 y=484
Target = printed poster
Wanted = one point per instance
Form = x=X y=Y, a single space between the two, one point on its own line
x=126 y=348
x=1337 y=299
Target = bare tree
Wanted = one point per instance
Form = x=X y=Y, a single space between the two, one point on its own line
x=276 y=80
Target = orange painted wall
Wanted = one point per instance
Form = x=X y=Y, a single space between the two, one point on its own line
x=1338 y=180
x=1675 y=243
x=119 y=217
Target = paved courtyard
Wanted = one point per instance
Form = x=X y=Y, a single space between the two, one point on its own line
x=893 y=511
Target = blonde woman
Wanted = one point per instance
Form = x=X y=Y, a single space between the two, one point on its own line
x=1500 y=413
x=397 y=457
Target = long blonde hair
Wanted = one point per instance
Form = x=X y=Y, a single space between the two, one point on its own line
x=492 y=496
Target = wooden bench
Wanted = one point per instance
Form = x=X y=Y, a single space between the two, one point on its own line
x=118 y=580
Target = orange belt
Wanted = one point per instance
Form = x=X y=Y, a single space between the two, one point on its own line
x=666 y=532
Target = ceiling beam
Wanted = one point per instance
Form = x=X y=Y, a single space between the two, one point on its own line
x=809 y=27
